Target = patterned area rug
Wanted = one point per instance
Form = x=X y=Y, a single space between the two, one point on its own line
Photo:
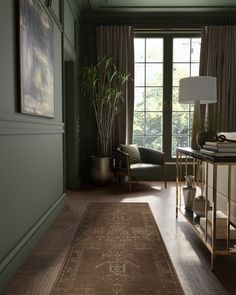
x=117 y=250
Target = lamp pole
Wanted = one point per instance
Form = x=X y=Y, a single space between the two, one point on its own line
x=206 y=118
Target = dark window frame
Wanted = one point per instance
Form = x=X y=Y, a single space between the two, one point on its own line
x=168 y=37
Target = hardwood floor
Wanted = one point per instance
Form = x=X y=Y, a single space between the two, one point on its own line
x=189 y=256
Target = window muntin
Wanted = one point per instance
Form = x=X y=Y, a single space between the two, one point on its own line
x=150 y=88
x=186 y=55
x=148 y=102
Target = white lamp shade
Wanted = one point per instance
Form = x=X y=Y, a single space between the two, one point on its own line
x=200 y=88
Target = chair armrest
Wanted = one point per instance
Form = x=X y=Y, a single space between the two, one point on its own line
x=122 y=159
x=152 y=156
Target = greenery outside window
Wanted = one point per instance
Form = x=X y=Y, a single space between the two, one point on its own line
x=186 y=54
x=160 y=122
x=148 y=107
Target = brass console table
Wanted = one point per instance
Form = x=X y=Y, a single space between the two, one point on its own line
x=187 y=158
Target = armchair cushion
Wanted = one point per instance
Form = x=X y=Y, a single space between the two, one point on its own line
x=133 y=151
x=151 y=156
x=145 y=171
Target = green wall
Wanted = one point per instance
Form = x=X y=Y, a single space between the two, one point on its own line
x=72 y=130
x=88 y=127
x=31 y=154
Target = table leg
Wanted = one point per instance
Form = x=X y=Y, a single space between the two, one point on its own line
x=212 y=261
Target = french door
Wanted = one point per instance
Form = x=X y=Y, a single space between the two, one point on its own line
x=160 y=122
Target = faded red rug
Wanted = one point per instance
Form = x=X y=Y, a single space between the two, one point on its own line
x=117 y=250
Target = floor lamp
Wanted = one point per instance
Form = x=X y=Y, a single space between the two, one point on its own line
x=203 y=90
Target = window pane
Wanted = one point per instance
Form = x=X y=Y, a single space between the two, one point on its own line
x=178 y=141
x=154 y=50
x=181 y=50
x=195 y=49
x=138 y=127
x=191 y=119
x=153 y=123
x=139 y=75
x=139 y=140
x=139 y=49
x=154 y=98
x=154 y=142
x=148 y=104
x=182 y=120
x=180 y=123
x=180 y=71
x=195 y=69
x=139 y=99
x=154 y=74
x=176 y=106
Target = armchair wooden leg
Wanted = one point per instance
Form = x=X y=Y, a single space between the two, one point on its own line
x=129 y=181
x=117 y=177
x=130 y=186
x=165 y=176
x=165 y=184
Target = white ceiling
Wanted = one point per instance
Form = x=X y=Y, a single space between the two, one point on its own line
x=156 y=5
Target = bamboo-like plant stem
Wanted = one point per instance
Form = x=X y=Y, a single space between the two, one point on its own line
x=104 y=85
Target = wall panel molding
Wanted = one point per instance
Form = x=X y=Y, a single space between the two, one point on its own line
x=19 y=253
x=29 y=234
x=12 y=125
x=31 y=152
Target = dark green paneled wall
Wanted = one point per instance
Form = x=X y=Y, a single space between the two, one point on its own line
x=88 y=131
x=71 y=126
x=31 y=154
x=71 y=67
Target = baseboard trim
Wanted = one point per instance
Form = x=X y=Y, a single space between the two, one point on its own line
x=10 y=264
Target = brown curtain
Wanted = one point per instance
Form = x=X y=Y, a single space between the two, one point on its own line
x=218 y=59
x=118 y=42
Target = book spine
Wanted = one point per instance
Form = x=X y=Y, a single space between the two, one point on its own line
x=221 y=144
x=207 y=152
x=210 y=147
x=217 y=154
x=211 y=143
x=220 y=149
x=227 y=149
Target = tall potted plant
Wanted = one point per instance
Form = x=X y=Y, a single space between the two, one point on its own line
x=103 y=84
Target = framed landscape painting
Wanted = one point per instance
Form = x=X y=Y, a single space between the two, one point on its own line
x=36 y=59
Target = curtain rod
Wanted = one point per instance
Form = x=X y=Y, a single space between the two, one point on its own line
x=164 y=30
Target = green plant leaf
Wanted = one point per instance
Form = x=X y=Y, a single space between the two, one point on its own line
x=104 y=84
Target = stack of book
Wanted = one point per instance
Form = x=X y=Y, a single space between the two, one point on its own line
x=221 y=225
x=219 y=149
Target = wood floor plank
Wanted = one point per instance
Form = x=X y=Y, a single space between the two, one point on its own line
x=190 y=257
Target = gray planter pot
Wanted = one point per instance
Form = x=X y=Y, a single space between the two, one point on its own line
x=101 y=169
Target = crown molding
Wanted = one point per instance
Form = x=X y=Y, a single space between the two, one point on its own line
x=164 y=19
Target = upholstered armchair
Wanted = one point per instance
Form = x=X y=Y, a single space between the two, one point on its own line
x=139 y=163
